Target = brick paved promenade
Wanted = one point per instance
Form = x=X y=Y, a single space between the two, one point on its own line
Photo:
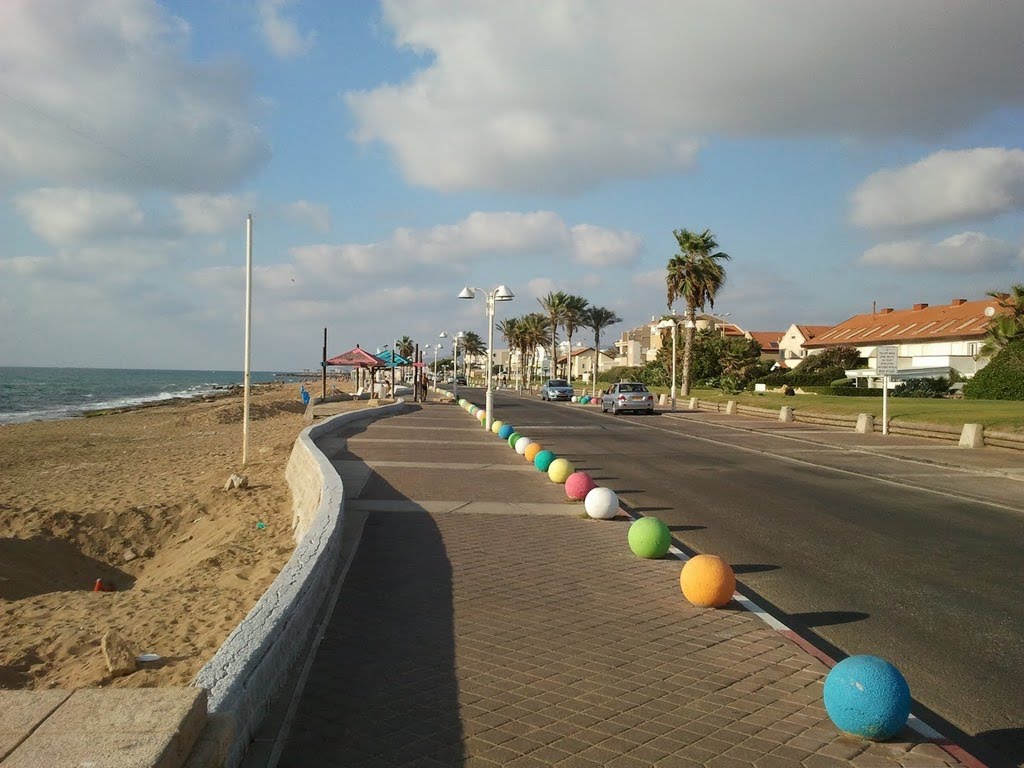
x=486 y=621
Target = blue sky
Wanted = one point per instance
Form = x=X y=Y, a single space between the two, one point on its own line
x=843 y=153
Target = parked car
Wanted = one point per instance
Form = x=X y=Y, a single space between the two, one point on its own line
x=627 y=396
x=556 y=389
x=460 y=380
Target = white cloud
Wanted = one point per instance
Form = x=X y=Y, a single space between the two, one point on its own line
x=563 y=95
x=600 y=247
x=948 y=186
x=103 y=91
x=281 y=34
x=318 y=217
x=540 y=286
x=649 y=278
x=478 y=237
x=211 y=214
x=63 y=215
x=964 y=253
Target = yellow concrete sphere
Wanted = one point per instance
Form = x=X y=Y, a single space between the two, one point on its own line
x=532 y=450
x=707 y=581
x=559 y=470
x=496 y=425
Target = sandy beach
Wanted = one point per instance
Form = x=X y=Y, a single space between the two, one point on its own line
x=137 y=499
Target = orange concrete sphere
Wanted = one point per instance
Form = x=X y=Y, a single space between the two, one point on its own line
x=532 y=450
x=707 y=581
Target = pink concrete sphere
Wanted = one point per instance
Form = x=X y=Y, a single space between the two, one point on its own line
x=579 y=485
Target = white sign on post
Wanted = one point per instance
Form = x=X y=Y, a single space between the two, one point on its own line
x=886 y=365
x=887 y=361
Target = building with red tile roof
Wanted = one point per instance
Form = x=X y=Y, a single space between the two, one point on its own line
x=930 y=340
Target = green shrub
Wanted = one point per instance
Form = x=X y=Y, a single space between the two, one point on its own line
x=794 y=379
x=1002 y=378
x=843 y=382
x=924 y=387
x=620 y=373
x=851 y=391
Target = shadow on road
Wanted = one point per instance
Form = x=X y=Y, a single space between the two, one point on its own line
x=753 y=567
x=827 y=618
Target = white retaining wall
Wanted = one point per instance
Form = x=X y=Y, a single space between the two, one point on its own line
x=255 y=661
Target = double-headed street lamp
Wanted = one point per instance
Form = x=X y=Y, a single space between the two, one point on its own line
x=455 y=359
x=501 y=293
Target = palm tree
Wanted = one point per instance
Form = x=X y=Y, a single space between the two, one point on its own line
x=509 y=328
x=695 y=275
x=534 y=329
x=405 y=347
x=472 y=344
x=554 y=305
x=597 y=319
x=573 y=318
x=1005 y=326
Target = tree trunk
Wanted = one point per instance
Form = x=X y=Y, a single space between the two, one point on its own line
x=597 y=352
x=691 y=335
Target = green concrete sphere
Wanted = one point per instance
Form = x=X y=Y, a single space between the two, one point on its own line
x=543 y=460
x=649 y=538
x=512 y=439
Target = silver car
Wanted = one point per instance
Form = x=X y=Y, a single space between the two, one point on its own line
x=627 y=396
x=556 y=389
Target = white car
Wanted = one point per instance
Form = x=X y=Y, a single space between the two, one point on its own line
x=627 y=396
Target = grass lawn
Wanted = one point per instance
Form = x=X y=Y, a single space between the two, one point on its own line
x=1000 y=415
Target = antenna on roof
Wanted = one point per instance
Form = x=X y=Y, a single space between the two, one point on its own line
x=873 y=303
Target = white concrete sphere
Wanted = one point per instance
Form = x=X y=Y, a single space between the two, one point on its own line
x=522 y=444
x=601 y=503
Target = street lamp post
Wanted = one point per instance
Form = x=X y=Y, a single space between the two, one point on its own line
x=666 y=323
x=436 y=347
x=455 y=360
x=501 y=293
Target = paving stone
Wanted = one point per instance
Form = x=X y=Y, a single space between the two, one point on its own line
x=523 y=639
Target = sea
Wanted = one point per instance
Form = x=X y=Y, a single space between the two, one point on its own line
x=39 y=394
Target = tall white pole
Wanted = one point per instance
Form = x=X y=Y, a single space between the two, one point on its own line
x=673 y=395
x=248 y=334
x=885 y=405
x=489 y=399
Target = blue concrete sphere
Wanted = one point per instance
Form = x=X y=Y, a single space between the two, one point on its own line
x=585 y=399
x=505 y=431
x=543 y=460
x=868 y=697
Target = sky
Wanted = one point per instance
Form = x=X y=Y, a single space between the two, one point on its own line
x=844 y=154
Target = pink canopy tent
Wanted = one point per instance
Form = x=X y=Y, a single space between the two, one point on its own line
x=357 y=358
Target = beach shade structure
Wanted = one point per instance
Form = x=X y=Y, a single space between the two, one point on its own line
x=601 y=503
x=578 y=485
x=707 y=581
x=543 y=460
x=559 y=470
x=649 y=538
x=496 y=426
x=522 y=444
x=505 y=431
x=532 y=450
x=513 y=438
x=867 y=697
x=358 y=358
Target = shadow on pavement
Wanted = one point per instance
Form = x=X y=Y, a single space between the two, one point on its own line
x=382 y=689
x=827 y=618
x=753 y=567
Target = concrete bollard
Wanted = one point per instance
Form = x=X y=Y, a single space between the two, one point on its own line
x=973 y=436
x=694 y=404
x=865 y=423
x=785 y=413
x=730 y=408
x=662 y=399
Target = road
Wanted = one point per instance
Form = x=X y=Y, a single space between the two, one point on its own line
x=916 y=563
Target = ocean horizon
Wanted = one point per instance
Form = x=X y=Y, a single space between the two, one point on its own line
x=37 y=393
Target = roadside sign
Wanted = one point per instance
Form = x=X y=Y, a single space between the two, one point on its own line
x=886 y=361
